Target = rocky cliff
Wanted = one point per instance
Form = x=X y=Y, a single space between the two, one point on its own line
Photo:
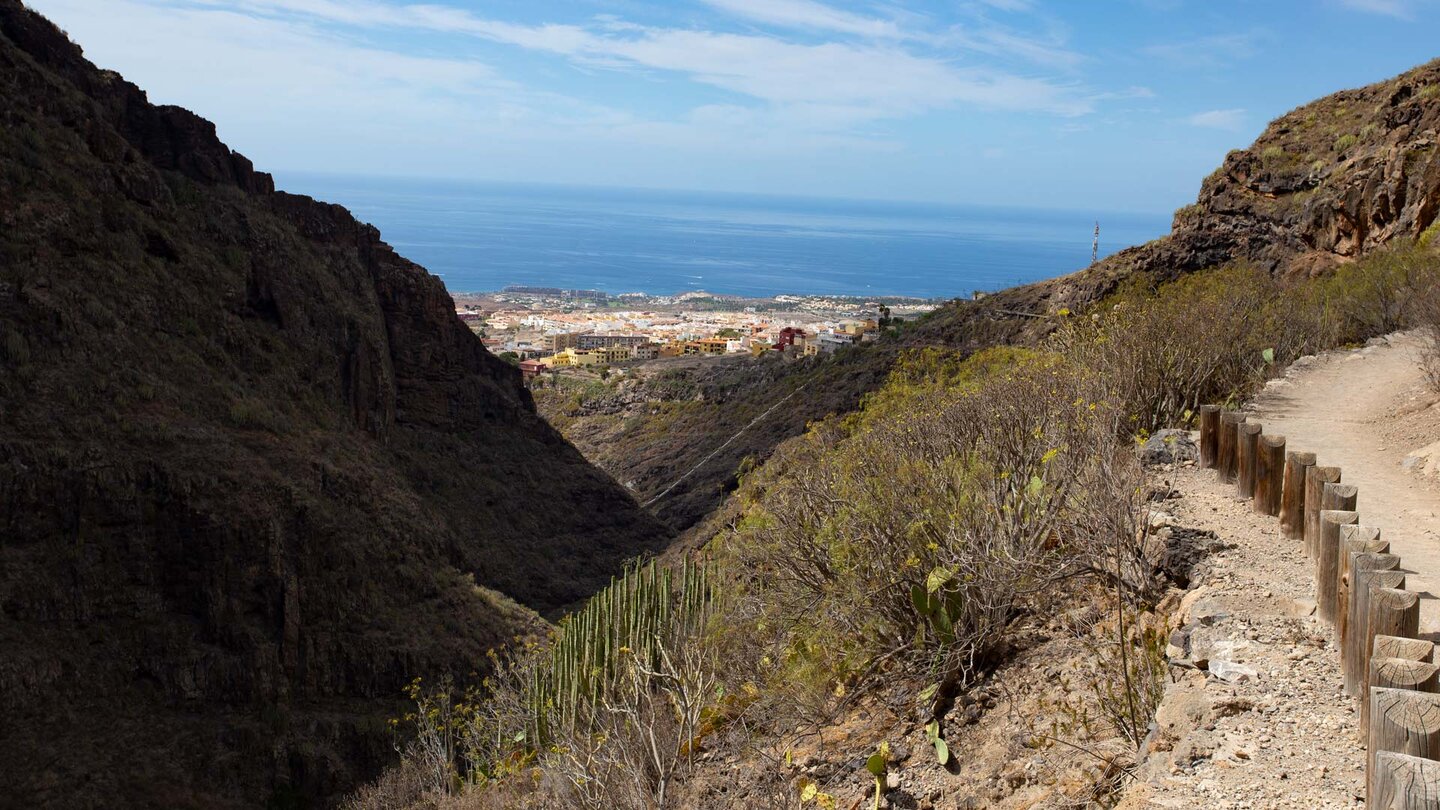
x=1322 y=185
x=255 y=475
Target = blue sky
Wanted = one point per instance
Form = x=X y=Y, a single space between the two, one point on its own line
x=1118 y=105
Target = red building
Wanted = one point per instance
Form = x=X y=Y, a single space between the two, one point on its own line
x=787 y=337
x=530 y=369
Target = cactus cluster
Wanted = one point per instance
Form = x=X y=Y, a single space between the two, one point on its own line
x=626 y=624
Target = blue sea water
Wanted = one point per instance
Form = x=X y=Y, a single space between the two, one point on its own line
x=482 y=237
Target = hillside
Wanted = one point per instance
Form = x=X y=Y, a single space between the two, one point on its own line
x=255 y=475
x=1323 y=185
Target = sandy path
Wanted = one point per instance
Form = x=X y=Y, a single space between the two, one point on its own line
x=1284 y=737
x=1365 y=411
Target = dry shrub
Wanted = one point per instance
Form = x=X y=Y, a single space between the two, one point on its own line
x=1158 y=354
x=919 y=537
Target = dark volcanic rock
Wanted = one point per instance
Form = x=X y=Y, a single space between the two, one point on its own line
x=255 y=475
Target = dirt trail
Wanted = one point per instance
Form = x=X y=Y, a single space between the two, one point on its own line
x=1254 y=715
x=1365 y=411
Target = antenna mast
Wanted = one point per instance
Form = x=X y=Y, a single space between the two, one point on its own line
x=1095 y=246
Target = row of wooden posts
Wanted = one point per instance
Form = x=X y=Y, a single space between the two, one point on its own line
x=1359 y=590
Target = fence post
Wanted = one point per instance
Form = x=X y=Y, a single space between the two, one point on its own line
x=1209 y=435
x=1341 y=497
x=1384 y=574
x=1315 y=478
x=1269 y=474
x=1404 y=673
x=1354 y=541
x=1292 y=496
x=1327 y=561
x=1355 y=658
x=1411 y=649
x=1403 y=782
x=1247 y=444
x=1393 y=612
x=1225 y=444
x=1403 y=722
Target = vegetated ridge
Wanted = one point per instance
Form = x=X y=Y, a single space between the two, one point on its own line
x=1323 y=185
x=255 y=475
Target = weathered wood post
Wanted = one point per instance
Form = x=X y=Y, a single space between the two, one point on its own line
x=1247 y=443
x=1292 y=496
x=1269 y=474
x=1403 y=722
x=1403 y=673
x=1354 y=541
x=1356 y=654
x=1225 y=444
x=1341 y=497
x=1393 y=612
x=1367 y=581
x=1327 y=561
x=1315 y=478
x=1209 y=435
x=1403 y=782
x=1411 y=649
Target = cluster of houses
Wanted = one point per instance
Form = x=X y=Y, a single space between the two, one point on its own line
x=571 y=349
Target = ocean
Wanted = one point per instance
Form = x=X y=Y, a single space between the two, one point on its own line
x=486 y=236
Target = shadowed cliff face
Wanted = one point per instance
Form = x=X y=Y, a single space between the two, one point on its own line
x=255 y=475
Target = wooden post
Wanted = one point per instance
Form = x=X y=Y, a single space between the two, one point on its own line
x=1393 y=612
x=1403 y=673
x=1315 y=478
x=1367 y=581
x=1339 y=496
x=1358 y=644
x=1327 y=561
x=1411 y=649
x=1403 y=722
x=1209 y=435
x=1403 y=782
x=1354 y=541
x=1269 y=474
x=1247 y=443
x=1225 y=446
x=1292 y=496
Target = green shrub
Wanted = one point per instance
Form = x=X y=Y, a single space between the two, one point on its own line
x=1346 y=141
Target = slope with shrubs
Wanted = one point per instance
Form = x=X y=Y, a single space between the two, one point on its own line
x=923 y=543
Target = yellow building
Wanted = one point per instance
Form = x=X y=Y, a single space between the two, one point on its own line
x=673 y=348
x=614 y=354
x=587 y=357
x=856 y=328
x=707 y=346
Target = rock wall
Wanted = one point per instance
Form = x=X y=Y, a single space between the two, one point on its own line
x=255 y=475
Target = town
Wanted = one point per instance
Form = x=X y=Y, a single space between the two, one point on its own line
x=547 y=329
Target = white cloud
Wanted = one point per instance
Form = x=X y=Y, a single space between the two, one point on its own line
x=365 y=86
x=1218 y=119
x=1399 y=9
x=809 y=14
x=884 y=77
x=1209 y=51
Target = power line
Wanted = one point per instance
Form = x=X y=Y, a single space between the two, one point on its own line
x=727 y=443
